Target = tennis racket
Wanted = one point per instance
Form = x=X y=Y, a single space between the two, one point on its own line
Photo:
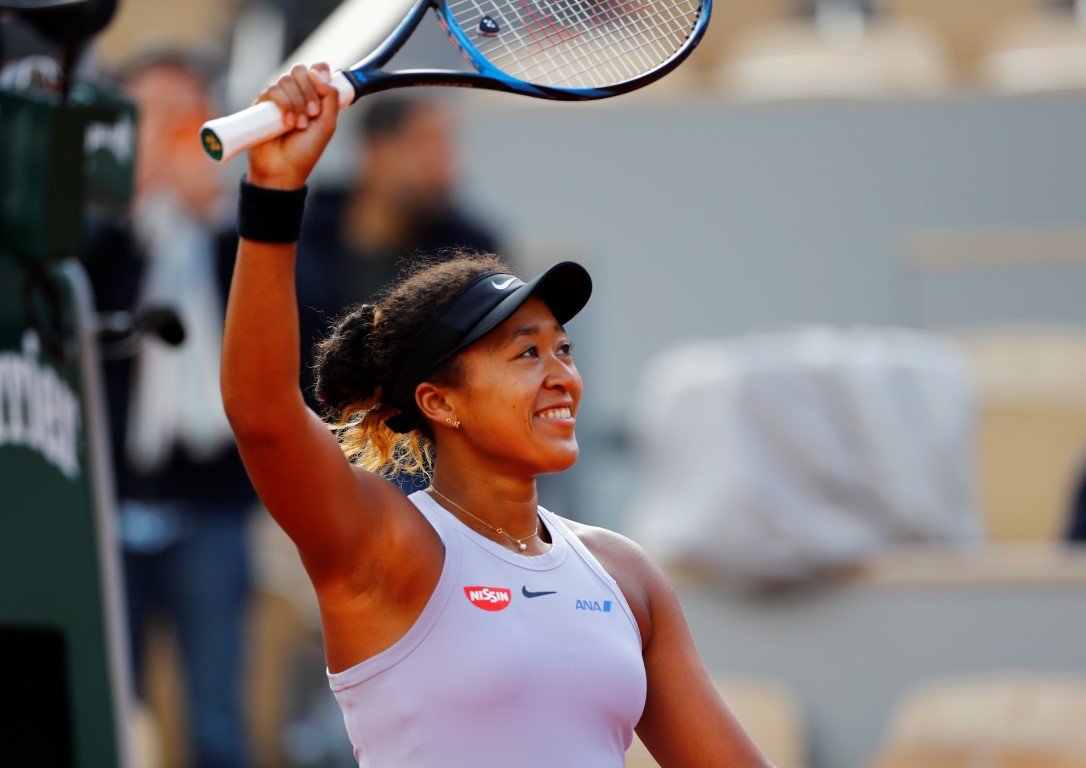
x=569 y=50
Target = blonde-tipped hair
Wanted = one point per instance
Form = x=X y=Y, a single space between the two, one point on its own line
x=357 y=363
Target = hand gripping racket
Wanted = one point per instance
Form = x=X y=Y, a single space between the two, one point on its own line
x=553 y=49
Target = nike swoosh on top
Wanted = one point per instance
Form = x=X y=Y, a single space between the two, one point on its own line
x=524 y=591
x=503 y=285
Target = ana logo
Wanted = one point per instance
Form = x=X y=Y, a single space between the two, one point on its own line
x=595 y=606
x=489 y=598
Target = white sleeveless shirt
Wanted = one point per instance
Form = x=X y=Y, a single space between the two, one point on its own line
x=532 y=662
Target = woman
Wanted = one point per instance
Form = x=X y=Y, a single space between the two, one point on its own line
x=465 y=625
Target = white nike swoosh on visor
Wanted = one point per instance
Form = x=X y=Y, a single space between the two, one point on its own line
x=502 y=286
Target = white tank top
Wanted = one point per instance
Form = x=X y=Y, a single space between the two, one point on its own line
x=526 y=661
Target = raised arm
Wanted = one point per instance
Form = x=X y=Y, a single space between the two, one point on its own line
x=329 y=508
x=685 y=722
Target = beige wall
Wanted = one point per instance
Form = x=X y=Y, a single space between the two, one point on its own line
x=140 y=24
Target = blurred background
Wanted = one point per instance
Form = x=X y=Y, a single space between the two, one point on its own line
x=835 y=361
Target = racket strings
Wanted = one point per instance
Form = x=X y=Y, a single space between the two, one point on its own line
x=624 y=54
x=627 y=61
x=621 y=64
x=632 y=46
x=595 y=60
x=627 y=64
x=579 y=43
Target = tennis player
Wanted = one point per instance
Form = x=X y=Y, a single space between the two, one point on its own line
x=465 y=625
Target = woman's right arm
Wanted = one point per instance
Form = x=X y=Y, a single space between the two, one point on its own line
x=328 y=508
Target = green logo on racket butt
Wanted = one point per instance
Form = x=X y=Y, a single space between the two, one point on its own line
x=211 y=143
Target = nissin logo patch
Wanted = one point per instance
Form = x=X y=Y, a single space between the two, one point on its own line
x=489 y=598
x=594 y=605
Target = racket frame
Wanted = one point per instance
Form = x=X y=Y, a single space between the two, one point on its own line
x=486 y=75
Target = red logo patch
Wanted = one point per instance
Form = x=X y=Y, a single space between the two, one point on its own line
x=489 y=598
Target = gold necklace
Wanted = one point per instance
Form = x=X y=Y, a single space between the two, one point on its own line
x=501 y=531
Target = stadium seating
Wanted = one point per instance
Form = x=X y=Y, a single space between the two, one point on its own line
x=999 y=720
x=795 y=59
x=1045 y=52
x=1032 y=428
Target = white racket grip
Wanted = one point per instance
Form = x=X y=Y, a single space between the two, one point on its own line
x=225 y=137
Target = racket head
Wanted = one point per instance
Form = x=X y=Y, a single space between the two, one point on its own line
x=573 y=49
x=557 y=49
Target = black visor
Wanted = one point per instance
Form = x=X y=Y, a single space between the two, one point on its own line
x=477 y=309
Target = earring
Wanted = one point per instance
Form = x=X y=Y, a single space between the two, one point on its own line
x=454 y=425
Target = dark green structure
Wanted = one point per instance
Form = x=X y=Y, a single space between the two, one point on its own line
x=65 y=691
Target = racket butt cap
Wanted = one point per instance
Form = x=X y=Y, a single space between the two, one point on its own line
x=212 y=144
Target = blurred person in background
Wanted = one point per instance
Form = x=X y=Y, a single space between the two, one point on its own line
x=1076 y=532
x=357 y=240
x=183 y=494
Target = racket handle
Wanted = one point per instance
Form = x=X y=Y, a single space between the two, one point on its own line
x=225 y=137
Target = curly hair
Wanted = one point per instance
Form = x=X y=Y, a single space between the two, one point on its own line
x=356 y=365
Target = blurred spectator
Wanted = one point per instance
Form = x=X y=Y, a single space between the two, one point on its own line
x=183 y=493
x=403 y=208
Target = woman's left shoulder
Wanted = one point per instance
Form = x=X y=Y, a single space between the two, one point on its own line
x=637 y=575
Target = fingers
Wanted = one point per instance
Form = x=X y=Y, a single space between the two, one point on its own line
x=300 y=94
x=321 y=74
x=307 y=100
x=321 y=77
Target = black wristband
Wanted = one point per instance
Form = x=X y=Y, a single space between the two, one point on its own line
x=270 y=215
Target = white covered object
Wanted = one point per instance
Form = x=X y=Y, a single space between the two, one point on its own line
x=776 y=456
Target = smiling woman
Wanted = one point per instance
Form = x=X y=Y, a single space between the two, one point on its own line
x=369 y=366
x=464 y=625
